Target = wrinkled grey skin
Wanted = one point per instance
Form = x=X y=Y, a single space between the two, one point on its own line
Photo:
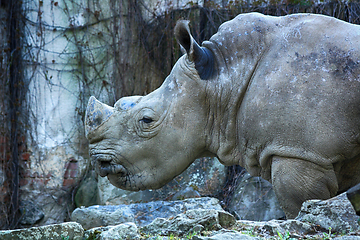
x=279 y=96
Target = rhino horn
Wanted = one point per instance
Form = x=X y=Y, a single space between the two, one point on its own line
x=202 y=57
x=96 y=114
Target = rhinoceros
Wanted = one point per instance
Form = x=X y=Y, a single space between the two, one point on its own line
x=279 y=96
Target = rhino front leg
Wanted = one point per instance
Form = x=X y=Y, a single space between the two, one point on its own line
x=296 y=180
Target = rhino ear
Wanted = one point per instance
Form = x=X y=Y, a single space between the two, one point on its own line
x=202 y=57
x=186 y=41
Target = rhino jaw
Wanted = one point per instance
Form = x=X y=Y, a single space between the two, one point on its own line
x=96 y=114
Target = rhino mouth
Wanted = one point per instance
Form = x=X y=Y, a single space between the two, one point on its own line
x=105 y=165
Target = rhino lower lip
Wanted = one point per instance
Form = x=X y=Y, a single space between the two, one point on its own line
x=106 y=168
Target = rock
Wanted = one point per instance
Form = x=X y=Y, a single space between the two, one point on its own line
x=139 y=213
x=204 y=177
x=55 y=203
x=69 y=230
x=111 y=195
x=94 y=233
x=254 y=199
x=190 y=221
x=353 y=195
x=30 y=213
x=347 y=238
x=188 y=192
x=274 y=227
x=96 y=216
x=294 y=227
x=123 y=231
x=87 y=193
x=336 y=214
x=225 y=235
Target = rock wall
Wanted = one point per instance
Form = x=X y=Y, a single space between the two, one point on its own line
x=74 y=49
x=198 y=219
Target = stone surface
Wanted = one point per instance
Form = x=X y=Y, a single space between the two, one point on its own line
x=50 y=184
x=205 y=177
x=94 y=233
x=122 y=231
x=69 y=230
x=30 y=213
x=140 y=213
x=254 y=199
x=225 y=235
x=336 y=213
x=347 y=238
x=55 y=203
x=87 y=193
x=273 y=227
x=191 y=221
x=96 y=216
x=188 y=192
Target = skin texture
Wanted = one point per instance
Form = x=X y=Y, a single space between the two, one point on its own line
x=279 y=96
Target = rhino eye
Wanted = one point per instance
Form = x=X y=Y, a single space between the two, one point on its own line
x=146 y=120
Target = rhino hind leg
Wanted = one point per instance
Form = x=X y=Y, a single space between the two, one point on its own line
x=296 y=180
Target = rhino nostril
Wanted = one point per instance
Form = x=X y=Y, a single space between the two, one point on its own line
x=104 y=168
x=104 y=164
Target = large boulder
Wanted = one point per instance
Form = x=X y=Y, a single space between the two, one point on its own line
x=189 y=222
x=320 y=218
x=56 y=208
x=122 y=231
x=31 y=213
x=254 y=199
x=336 y=214
x=87 y=193
x=139 y=213
x=69 y=230
x=268 y=229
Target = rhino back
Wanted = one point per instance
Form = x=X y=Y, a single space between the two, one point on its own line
x=303 y=97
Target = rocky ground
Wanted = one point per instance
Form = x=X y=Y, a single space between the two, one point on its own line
x=198 y=219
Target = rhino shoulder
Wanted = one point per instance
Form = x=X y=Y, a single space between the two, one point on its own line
x=245 y=35
x=247 y=24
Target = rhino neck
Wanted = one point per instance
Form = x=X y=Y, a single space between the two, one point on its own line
x=236 y=66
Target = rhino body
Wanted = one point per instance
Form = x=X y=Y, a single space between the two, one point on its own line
x=279 y=96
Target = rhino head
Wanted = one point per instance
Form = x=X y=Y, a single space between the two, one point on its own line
x=145 y=141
